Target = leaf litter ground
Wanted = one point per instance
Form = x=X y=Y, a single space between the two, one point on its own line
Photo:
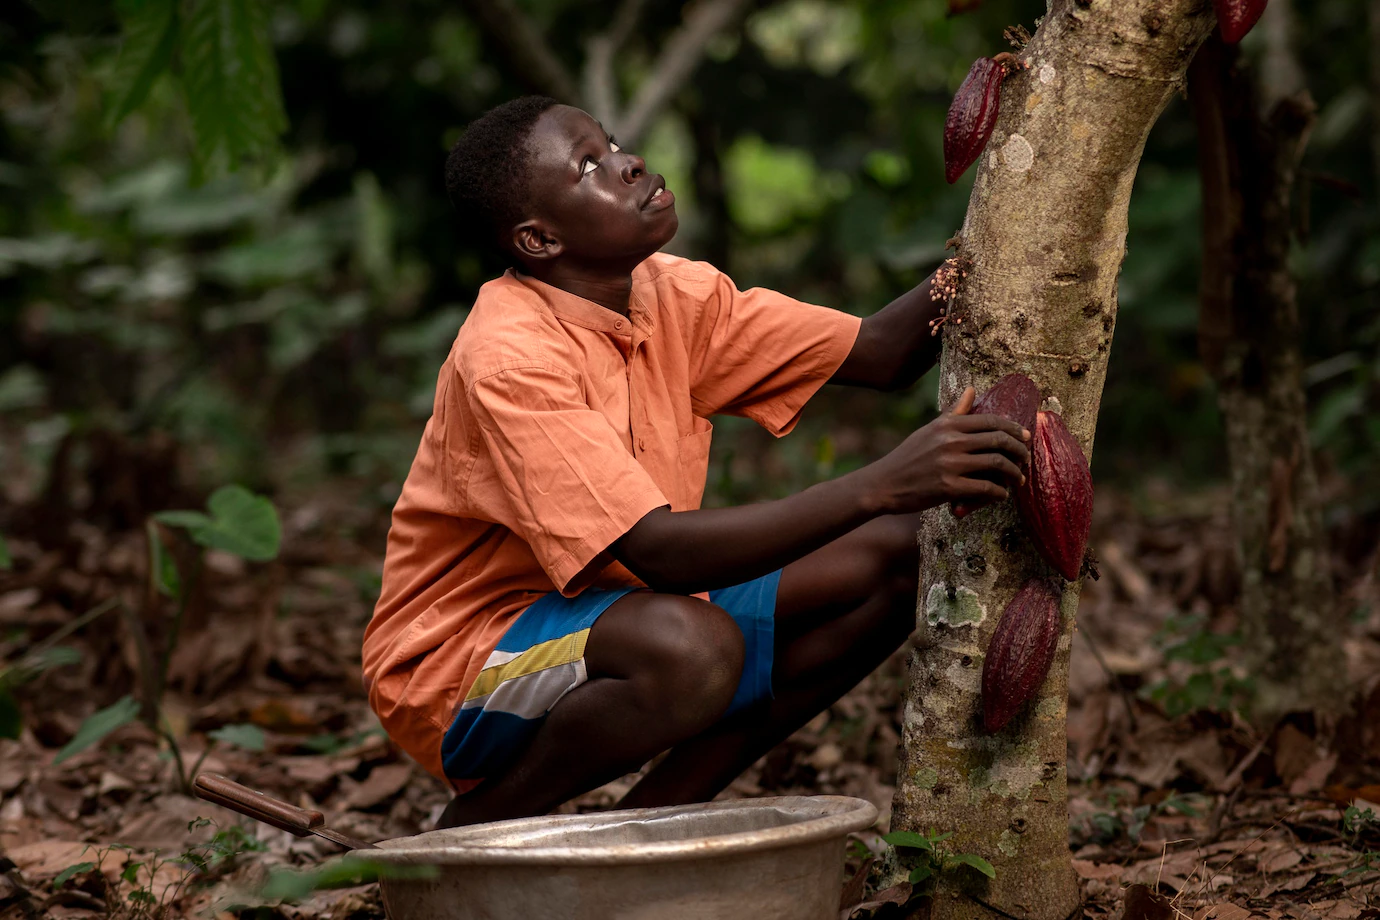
x=1178 y=807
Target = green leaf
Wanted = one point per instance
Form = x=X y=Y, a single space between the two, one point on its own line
x=166 y=578
x=190 y=520
x=150 y=27
x=98 y=725
x=6 y=561
x=240 y=522
x=977 y=862
x=249 y=737
x=66 y=875
x=908 y=839
x=31 y=664
x=920 y=873
x=230 y=77
x=245 y=524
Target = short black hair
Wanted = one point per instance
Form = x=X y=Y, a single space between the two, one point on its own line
x=486 y=171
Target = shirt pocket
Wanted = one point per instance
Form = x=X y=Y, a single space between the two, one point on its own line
x=692 y=465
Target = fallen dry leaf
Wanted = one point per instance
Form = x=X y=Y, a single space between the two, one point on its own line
x=46 y=858
x=1279 y=860
x=1091 y=870
x=896 y=895
x=855 y=886
x=382 y=784
x=1226 y=911
x=1144 y=904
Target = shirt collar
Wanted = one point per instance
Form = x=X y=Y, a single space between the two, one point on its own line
x=640 y=322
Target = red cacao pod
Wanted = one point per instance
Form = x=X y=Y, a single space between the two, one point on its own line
x=1236 y=17
x=1020 y=653
x=1057 y=499
x=972 y=115
x=1013 y=397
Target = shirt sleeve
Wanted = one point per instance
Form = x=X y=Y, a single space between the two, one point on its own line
x=761 y=354
x=573 y=488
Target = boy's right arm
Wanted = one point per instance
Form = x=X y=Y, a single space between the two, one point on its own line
x=688 y=551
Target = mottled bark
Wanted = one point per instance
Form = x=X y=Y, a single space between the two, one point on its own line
x=1046 y=234
x=1249 y=340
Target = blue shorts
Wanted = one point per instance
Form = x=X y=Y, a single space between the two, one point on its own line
x=541 y=658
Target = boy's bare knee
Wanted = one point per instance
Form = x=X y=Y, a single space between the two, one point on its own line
x=695 y=659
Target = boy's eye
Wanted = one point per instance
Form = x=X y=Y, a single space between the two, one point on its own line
x=613 y=144
x=588 y=166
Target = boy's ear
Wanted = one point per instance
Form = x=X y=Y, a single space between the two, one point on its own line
x=532 y=240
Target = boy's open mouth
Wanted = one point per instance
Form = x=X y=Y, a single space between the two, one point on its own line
x=660 y=197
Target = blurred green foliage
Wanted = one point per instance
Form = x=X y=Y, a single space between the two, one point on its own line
x=287 y=324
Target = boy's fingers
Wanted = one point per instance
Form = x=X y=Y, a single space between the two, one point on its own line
x=972 y=423
x=965 y=402
x=998 y=440
x=980 y=488
x=995 y=462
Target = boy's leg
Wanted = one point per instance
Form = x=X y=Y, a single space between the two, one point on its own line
x=662 y=668
x=840 y=612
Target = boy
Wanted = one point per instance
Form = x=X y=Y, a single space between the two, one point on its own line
x=556 y=610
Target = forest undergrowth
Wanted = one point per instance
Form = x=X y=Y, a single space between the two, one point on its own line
x=1171 y=786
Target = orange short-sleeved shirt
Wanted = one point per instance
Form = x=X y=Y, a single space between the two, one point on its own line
x=557 y=425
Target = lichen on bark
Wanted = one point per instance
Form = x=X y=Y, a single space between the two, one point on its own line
x=1046 y=233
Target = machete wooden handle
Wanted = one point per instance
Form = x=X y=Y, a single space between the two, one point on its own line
x=222 y=790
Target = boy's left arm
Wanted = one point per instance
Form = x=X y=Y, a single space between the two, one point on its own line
x=895 y=346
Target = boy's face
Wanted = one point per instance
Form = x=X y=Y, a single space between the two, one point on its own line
x=592 y=203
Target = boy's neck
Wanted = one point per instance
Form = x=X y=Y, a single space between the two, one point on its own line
x=610 y=290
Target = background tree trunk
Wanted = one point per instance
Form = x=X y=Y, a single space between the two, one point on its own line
x=1249 y=340
x=1046 y=234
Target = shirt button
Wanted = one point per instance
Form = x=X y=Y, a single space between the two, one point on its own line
x=641 y=444
x=618 y=324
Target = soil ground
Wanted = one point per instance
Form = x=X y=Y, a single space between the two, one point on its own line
x=1170 y=788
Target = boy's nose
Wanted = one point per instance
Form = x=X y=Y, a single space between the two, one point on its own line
x=633 y=168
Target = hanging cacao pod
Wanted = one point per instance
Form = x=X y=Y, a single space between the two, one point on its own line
x=972 y=115
x=1057 y=499
x=1236 y=17
x=1013 y=397
x=1020 y=653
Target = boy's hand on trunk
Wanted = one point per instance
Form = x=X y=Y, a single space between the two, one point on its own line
x=945 y=460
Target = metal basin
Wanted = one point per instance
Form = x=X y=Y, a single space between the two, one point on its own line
x=775 y=858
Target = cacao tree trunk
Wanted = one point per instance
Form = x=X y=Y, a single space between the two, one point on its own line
x=1045 y=234
x=1248 y=338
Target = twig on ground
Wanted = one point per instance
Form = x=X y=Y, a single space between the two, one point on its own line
x=1222 y=811
x=1233 y=779
x=1115 y=679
